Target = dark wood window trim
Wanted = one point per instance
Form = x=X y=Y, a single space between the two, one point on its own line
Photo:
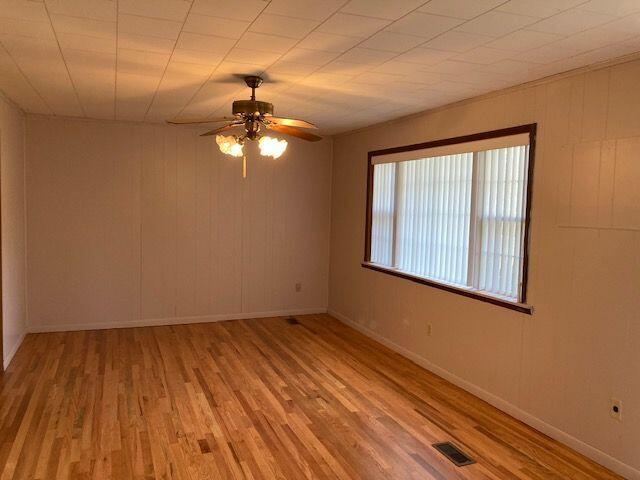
x=520 y=307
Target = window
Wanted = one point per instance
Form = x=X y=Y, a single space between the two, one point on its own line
x=454 y=214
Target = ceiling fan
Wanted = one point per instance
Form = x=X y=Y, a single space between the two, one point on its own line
x=255 y=116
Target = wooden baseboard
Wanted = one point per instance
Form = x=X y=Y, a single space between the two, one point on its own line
x=578 y=445
x=12 y=352
x=153 y=322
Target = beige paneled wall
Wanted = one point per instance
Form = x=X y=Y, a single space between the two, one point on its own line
x=132 y=224
x=12 y=131
x=558 y=368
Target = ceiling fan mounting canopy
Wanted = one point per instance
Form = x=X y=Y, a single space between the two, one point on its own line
x=253 y=81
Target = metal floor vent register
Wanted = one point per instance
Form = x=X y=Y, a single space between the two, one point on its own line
x=293 y=321
x=452 y=452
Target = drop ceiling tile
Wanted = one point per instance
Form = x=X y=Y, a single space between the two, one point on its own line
x=135 y=87
x=483 y=55
x=629 y=23
x=594 y=38
x=145 y=43
x=42 y=63
x=23 y=10
x=309 y=9
x=282 y=79
x=85 y=43
x=522 y=40
x=153 y=27
x=205 y=43
x=405 y=92
x=465 y=9
x=496 y=23
x=539 y=8
x=167 y=9
x=549 y=53
x=266 y=43
x=366 y=56
x=198 y=109
x=179 y=85
x=461 y=90
x=94 y=80
x=594 y=56
x=31 y=49
x=228 y=70
x=344 y=68
x=418 y=78
x=392 y=42
x=15 y=86
x=396 y=67
x=325 y=80
x=91 y=63
x=619 y=7
x=131 y=109
x=96 y=9
x=213 y=95
x=17 y=89
x=305 y=56
x=455 y=41
x=251 y=56
x=424 y=56
x=327 y=42
x=26 y=28
x=425 y=78
x=376 y=78
x=197 y=57
x=452 y=66
x=571 y=21
x=185 y=73
x=424 y=24
x=291 y=68
x=512 y=67
x=221 y=27
x=84 y=26
x=352 y=25
x=245 y=10
x=381 y=8
x=141 y=63
x=284 y=26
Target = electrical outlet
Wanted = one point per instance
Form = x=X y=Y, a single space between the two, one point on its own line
x=429 y=329
x=298 y=287
x=615 y=409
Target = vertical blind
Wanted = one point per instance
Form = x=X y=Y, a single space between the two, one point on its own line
x=457 y=219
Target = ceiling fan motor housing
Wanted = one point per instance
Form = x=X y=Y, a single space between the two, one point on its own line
x=249 y=107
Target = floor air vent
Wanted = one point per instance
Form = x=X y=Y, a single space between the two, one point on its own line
x=292 y=320
x=452 y=452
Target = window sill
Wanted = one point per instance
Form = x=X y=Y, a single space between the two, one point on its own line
x=519 y=307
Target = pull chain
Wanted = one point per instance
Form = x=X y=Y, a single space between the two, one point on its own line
x=244 y=166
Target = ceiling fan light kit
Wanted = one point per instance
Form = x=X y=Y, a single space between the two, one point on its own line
x=230 y=145
x=254 y=115
x=272 y=147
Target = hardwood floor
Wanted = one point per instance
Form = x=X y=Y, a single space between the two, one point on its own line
x=251 y=399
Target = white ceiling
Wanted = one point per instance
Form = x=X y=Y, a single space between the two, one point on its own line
x=341 y=64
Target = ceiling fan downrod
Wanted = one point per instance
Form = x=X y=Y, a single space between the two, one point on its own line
x=253 y=82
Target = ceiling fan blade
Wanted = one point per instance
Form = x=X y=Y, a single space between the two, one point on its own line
x=221 y=129
x=290 y=122
x=294 y=132
x=211 y=120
